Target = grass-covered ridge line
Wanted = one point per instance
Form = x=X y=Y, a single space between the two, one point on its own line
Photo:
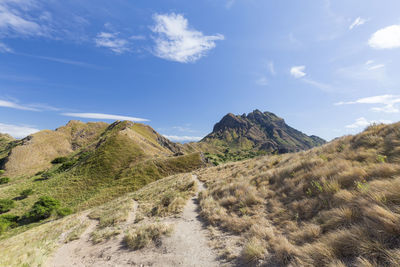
x=336 y=205
x=123 y=158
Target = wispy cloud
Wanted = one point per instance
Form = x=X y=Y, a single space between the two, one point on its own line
x=4 y=48
x=62 y=60
x=14 y=105
x=183 y=138
x=386 y=38
x=263 y=81
x=388 y=102
x=14 y=22
x=298 y=71
x=357 y=22
x=175 y=41
x=112 y=41
x=271 y=68
x=320 y=85
x=370 y=71
x=16 y=130
x=138 y=37
x=363 y=122
x=102 y=116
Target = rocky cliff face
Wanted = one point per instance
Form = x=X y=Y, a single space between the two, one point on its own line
x=260 y=131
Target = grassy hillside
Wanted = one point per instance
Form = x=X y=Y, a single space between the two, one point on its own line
x=35 y=153
x=99 y=167
x=336 y=205
x=111 y=217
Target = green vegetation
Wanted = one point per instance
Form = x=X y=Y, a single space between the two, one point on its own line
x=123 y=158
x=25 y=193
x=228 y=156
x=59 y=160
x=4 y=180
x=42 y=209
x=6 y=205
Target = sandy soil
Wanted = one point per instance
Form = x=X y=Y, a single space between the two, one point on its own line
x=187 y=246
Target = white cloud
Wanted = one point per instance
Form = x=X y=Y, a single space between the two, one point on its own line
x=9 y=104
x=370 y=65
x=183 y=138
x=363 y=122
x=375 y=67
x=271 y=68
x=17 y=131
x=101 y=116
x=111 y=41
x=386 y=38
x=13 y=22
x=5 y=49
x=388 y=102
x=175 y=41
x=357 y=22
x=298 y=71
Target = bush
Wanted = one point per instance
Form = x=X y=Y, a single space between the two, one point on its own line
x=42 y=209
x=59 y=160
x=7 y=221
x=67 y=165
x=4 y=180
x=2 y=172
x=25 y=193
x=64 y=212
x=6 y=205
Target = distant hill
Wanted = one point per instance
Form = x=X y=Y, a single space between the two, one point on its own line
x=86 y=164
x=259 y=131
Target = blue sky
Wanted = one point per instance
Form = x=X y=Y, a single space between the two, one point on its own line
x=328 y=68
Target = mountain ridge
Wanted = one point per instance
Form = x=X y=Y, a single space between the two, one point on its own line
x=263 y=131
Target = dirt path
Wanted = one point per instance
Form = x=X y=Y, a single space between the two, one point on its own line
x=187 y=246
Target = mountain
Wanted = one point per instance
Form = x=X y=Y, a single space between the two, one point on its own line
x=258 y=131
x=137 y=198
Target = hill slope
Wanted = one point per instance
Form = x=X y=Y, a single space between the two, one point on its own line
x=259 y=131
x=335 y=205
x=83 y=165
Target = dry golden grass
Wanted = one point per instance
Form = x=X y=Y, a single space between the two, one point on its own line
x=336 y=205
x=32 y=247
x=144 y=235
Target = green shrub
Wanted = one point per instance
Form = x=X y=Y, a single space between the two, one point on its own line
x=7 y=221
x=6 y=205
x=59 y=160
x=2 y=172
x=62 y=212
x=42 y=209
x=25 y=193
x=67 y=165
x=4 y=180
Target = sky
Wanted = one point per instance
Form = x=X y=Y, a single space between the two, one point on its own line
x=329 y=68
